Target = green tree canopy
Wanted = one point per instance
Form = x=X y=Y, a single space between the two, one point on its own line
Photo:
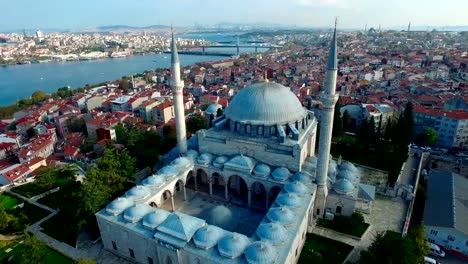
x=38 y=96
x=124 y=84
x=195 y=123
x=346 y=121
x=429 y=136
x=337 y=122
x=4 y=218
x=32 y=251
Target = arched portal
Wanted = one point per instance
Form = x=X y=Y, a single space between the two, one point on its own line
x=167 y=200
x=274 y=191
x=258 y=195
x=218 y=184
x=190 y=182
x=238 y=189
x=179 y=190
x=202 y=181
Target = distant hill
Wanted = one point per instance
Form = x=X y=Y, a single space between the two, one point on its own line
x=124 y=28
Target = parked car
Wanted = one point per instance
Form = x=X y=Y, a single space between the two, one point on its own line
x=428 y=260
x=436 y=251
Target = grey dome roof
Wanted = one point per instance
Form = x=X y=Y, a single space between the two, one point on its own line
x=168 y=172
x=219 y=161
x=262 y=170
x=181 y=162
x=343 y=186
x=118 y=205
x=347 y=174
x=241 y=162
x=153 y=219
x=138 y=193
x=136 y=212
x=154 y=181
x=208 y=236
x=302 y=177
x=348 y=166
x=260 y=252
x=213 y=109
x=273 y=232
x=191 y=154
x=205 y=159
x=296 y=187
x=289 y=200
x=280 y=214
x=265 y=104
x=280 y=174
x=233 y=245
x=219 y=216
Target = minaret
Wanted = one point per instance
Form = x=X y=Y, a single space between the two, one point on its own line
x=177 y=86
x=409 y=27
x=329 y=99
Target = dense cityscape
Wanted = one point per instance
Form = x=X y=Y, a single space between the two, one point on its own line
x=308 y=146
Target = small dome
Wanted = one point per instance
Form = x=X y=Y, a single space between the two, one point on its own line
x=191 y=154
x=343 y=186
x=153 y=219
x=302 y=177
x=332 y=167
x=280 y=214
x=280 y=174
x=262 y=170
x=138 y=193
x=219 y=161
x=168 y=172
x=265 y=104
x=346 y=174
x=154 y=181
x=275 y=233
x=296 y=187
x=205 y=159
x=241 y=162
x=213 y=109
x=233 y=245
x=181 y=162
x=219 y=216
x=118 y=205
x=208 y=236
x=348 y=166
x=331 y=180
x=289 y=200
x=136 y=212
x=260 y=252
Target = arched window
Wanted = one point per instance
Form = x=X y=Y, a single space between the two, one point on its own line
x=272 y=130
x=247 y=129
x=260 y=130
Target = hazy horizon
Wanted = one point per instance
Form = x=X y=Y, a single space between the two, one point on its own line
x=353 y=14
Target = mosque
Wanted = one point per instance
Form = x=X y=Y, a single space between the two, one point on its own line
x=246 y=190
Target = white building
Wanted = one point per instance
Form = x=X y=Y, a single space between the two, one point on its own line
x=446 y=211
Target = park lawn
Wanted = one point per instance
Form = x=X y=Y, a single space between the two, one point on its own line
x=328 y=251
x=51 y=255
x=60 y=230
x=30 y=189
x=27 y=215
x=8 y=201
x=54 y=200
x=342 y=225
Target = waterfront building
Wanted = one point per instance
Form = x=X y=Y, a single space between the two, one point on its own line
x=242 y=191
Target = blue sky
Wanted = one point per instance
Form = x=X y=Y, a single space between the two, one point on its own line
x=77 y=14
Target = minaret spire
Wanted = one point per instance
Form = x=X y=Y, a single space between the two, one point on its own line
x=177 y=90
x=329 y=99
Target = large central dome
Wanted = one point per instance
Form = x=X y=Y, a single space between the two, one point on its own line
x=265 y=104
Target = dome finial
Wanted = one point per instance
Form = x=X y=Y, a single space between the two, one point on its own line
x=265 y=77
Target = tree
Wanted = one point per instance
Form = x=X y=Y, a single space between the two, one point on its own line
x=363 y=133
x=219 y=112
x=418 y=240
x=346 y=121
x=429 y=136
x=195 y=123
x=408 y=124
x=124 y=84
x=86 y=261
x=47 y=177
x=337 y=123
x=389 y=248
x=32 y=251
x=38 y=96
x=4 y=218
x=77 y=124
x=170 y=137
x=372 y=133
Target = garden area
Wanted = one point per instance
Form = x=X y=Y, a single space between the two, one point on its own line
x=8 y=201
x=318 y=249
x=42 y=253
x=354 y=225
x=16 y=219
x=49 y=178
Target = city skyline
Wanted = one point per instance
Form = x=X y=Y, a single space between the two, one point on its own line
x=353 y=14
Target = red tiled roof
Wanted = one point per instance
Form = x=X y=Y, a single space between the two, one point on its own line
x=455 y=114
x=70 y=151
x=15 y=172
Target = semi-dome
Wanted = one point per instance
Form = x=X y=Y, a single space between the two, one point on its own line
x=155 y=218
x=262 y=170
x=136 y=212
x=118 y=205
x=208 y=236
x=219 y=216
x=347 y=174
x=348 y=166
x=205 y=159
x=219 y=161
x=241 y=162
x=181 y=162
x=296 y=187
x=265 y=104
x=274 y=233
x=138 y=193
x=154 y=181
x=280 y=174
x=233 y=245
x=289 y=200
x=260 y=252
x=343 y=186
x=213 y=109
x=280 y=214
x=301 y=177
